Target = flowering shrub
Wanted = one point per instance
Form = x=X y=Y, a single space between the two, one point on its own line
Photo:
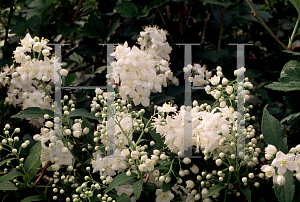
x=229 y=159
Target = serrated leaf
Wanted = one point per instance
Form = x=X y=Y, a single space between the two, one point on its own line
x=7 y=186
x=289 y=77
x=10 y=176
x=127 y=9
x=33 y=112
x=296 y=3
x=34 y=156
x=119 y=179
x=137 y=188
x=214 y=189
x=292 y=116
x=285 y=193
x=216 y=2
x=123 y=198
x=247 y=192
x=33 y=198
x=273 y=132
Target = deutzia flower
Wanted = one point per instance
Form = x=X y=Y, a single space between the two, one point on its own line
x=166 y=108
x=269 y=170
x=163 y=196
x=270 y=151
x=284 y=162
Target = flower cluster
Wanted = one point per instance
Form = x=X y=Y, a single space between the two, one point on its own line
x=200 y=76
x=143 y=70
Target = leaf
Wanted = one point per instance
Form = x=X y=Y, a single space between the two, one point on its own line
x=273 y=132
x=112 y=29
x=34 y=156
x=127 y=9
x=90 y=126
x=100 y=69
x=33 y=198
x=247 y=192
x=10 y=176
x=292 y=116
x=215 y=189
x=70 y=78
x=7 y=186
x=216 y=2
x=289 y=77
x=4 y=161
x=119 y=179
x=149 y=187
x=158 y=139
x=84 y=113
x=296 y=3
x=33 y=112
x=137 y=188
x=123 y=198
x=166 y=187
x=285 y=193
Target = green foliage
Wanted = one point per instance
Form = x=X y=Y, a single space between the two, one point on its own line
x=247 y=192
x=33 y=198
x=83 y=113
x=158 y=139
x=10 y=176
x=285 y=193
x=32 y=162
x=137 y=188
x=216 y=2
x=33 y=112
x=7 y=186
x=289 y=77
x=296 y=3
x=214 y=189
x=273 y=132
x=149 y=187
x=123 y=198
x=119 y=179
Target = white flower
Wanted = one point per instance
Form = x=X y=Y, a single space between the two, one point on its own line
x=229 y=89
x=194 y=169
x=215 y=80
x=280 y=180
x=163 y=196
x=135 y=154
x=269 y=170
x=284 y=162
x=166 y=108
x=190 y=184
x=270 y=149
x=224 y=81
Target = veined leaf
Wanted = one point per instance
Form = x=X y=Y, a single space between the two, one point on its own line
x=215 y=189
x=119 y=179
x=285 y=193
x=7 y=186
x=137 y=188
x=33 y=112
x=296 y=3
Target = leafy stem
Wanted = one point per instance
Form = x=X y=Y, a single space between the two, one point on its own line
x=294 y=32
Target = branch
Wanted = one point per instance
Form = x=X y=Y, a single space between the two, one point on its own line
x=73 y=19
x=266 y=26
x=11 y=10
x=204 y=28
x=43 y=172
x=221 y=28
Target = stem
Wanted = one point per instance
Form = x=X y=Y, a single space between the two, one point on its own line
x=266 y=26
x=228 y=179
x=294 y=32
x=204 y=28
x=221 y=28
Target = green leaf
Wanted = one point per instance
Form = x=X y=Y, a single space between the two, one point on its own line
x=33 y=112
x=215 y=189
x=149 y=187
x=112 y=29
x=292 y=116
x=4 y=161
x=215 y=55
x=285 y=193
x=90 y=126
x=34 y=156
x=247 y=192
x=166 y=187
x=7 y=186
x=84 y=113
x=33 y=198
x=153 y=134
x=70 y=78
x=273 y=132
x=10 y=176
x=216 y=2
x=296 y=3
x=123 y=198
x=137 y=188
x=100 y=69
x=119 y=179
x=127 y=9
x=289 y=77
